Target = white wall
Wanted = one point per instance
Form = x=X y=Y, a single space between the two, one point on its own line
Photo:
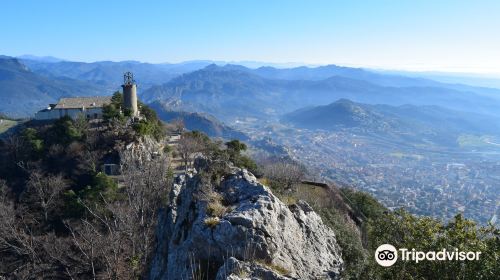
x=92 y=113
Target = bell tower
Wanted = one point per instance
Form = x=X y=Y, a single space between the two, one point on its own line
x=130 y=93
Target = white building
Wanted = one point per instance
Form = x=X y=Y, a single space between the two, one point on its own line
x=90 y=107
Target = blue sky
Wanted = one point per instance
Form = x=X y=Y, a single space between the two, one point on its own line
x=446 y=35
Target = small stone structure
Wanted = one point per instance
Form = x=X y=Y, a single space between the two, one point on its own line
x=91 y=107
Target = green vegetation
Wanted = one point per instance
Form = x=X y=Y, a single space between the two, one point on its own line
x=32 y=140
x=65 y=130
x=376 y=225
x=101 y=188
x=114 y=110
x=235 y=149
x=196 y=142
x=168 y=149
x=404 y=230
x=149 y=125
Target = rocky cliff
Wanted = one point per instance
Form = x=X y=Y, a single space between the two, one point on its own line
x=240 y=230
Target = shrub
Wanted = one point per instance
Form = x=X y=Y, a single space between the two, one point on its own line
x=110 y=112
x=150 y=125
x=35 y=144
x=64 y=131
x=244 y=161
x=101 y=187
x=235 y=148
x=113 y=110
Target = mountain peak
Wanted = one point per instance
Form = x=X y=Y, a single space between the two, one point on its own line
x=344 y=101
x=226 y=67
x=341 y=113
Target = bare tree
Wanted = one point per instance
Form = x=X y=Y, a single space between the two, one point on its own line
x=99 y=244
x=14 y=147
x=21 y=250
x=116 y=240
x=187 y=147
x=90 y=161
x=146 y=185
x=113 y=240
x=44 y=190
x=285 y=173
x=178 y=125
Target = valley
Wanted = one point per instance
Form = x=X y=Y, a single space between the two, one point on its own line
x=428 y=181
x=425 y=164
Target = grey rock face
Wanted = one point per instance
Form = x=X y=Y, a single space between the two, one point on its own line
x=256 y=237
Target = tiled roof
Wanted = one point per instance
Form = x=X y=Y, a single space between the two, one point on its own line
x=80 y=102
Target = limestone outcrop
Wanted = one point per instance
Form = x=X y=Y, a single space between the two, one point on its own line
x=240 y=230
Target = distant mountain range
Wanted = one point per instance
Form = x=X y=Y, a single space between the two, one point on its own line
x=228 y=92
x=104 y=73
x=412 y=122
x=233 y=91
x=24 y=92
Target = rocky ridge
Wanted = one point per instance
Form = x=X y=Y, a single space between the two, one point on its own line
x=255 y=237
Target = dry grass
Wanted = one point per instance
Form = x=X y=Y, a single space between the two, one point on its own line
x=317 y=197
x=274 y=267
x=288 y=199
x=212 y=222
x=216 y=209
x=242 y=273
x=6 y=124
x=264 y=181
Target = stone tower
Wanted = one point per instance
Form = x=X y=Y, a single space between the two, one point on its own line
x=130 y=94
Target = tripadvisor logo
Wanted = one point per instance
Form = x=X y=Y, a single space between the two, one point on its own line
x=387 y=255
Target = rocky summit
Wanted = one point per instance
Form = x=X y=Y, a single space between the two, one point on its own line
x=256 y=236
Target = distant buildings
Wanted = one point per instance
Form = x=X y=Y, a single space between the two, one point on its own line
x=91 y=107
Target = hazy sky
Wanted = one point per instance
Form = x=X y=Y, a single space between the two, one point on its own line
x=451 y=35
